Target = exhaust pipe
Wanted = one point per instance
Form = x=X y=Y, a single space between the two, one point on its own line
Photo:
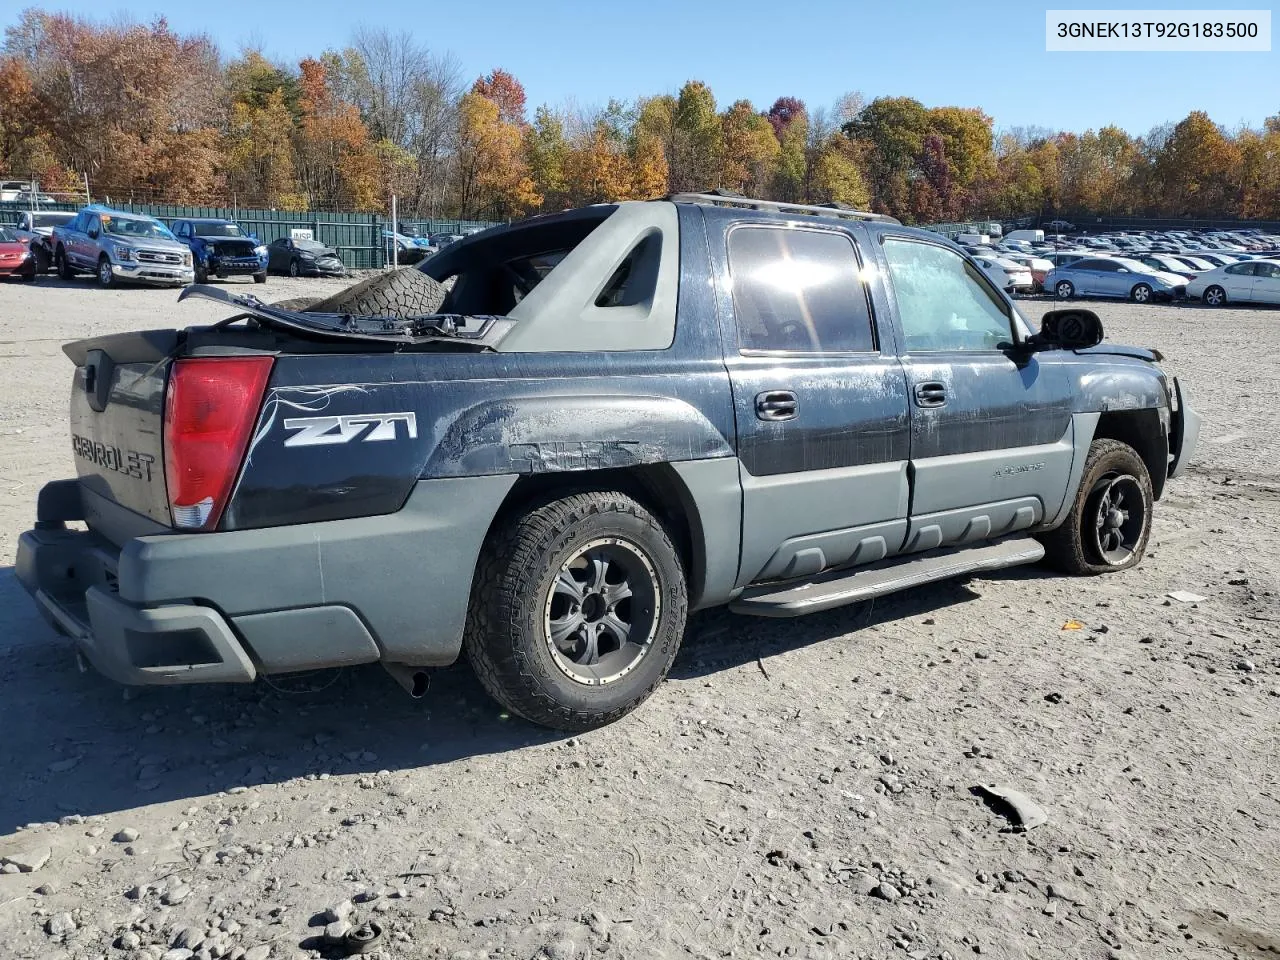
x=415 y=680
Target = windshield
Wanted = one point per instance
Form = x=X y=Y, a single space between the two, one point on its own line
x=7 y=235
x=50 y=219
x=1133 y=265
x=217 y=230
x=310 y=246
x=135 y=228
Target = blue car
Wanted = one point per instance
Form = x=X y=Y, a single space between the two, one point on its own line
x=1113 y=277
x=221 y=248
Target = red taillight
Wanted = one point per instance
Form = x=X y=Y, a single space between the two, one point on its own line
x=209 y=412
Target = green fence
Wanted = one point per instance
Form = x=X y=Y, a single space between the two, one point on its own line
x=358 y=237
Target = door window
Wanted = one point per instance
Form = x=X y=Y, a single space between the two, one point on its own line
x=1241 y=269
x=944 y=301
x=799 y=291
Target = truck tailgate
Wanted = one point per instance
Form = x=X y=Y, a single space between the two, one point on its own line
x=117 y=418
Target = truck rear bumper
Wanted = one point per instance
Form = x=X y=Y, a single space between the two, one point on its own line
x=224 y=607
x=174 y=643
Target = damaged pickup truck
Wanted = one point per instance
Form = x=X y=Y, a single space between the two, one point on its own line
x=555 y=439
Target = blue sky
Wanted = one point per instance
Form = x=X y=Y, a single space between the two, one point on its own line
x=988 y=55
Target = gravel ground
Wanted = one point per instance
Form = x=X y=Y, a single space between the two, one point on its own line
x=796 y=789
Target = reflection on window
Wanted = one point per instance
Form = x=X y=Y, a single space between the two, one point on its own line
x=942 y=302
x=799 y=291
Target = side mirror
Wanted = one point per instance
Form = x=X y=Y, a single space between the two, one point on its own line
x=93 y=234
x=1071 y=329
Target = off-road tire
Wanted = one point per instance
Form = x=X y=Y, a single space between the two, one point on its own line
x=506 y=638
x=1068 y=548
x=407 y=292
x=63 y=265
x=1215 y=296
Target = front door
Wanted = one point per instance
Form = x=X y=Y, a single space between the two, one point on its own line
x=991 y=437
x=819 y=399
x=1238 y=279
x=1266 y=282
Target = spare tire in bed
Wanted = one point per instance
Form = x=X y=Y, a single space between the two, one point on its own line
x=407 y=292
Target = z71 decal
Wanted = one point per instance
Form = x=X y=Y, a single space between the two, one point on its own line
x=366 y=427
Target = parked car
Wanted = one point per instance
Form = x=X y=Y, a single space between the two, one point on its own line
x=1063 y=257
x=222 y=249
x=442 y=240
x=1059 y=226
x=303 y=258
x=1006 y=274
x=1250 y=281
x=116 y=246
x=36 y=229
x=1038 y=266
x=9 y=189
x=15 y=256
x=1165 y=263
x=1217 y=259
x=403 y=249
x=551 y=477
x=1114 y=277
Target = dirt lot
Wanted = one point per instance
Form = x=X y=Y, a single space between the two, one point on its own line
x=796 y=789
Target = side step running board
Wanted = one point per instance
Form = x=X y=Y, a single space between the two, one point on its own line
x=842 y=587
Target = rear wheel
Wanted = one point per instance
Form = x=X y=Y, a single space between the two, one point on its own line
x=64 y=268
x=105 y=276
x=1064 y=290
x=1141 y=293
x=577 y=611
x=41 y=257
x=1110 y=521
x=1215 y=296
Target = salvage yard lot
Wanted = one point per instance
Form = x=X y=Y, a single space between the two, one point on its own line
x=796 y=788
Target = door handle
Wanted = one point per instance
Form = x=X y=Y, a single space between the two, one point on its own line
x=930 y=394
x=776 y=405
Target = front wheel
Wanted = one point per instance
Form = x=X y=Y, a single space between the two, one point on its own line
x=577 y=611
x=105 y=276
x=1215 y=296
x=1141 y=293
x=260 y=277
x=1065 y=290
x=1110 y=520
x=41 y=256
x=294 y=270
x=201 y=274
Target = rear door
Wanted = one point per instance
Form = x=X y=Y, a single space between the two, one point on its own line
x=819 y=400
x=991 y=438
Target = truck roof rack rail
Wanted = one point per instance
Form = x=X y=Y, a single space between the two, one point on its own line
x=725 y=198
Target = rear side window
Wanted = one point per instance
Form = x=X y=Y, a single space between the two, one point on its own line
x=798 y=291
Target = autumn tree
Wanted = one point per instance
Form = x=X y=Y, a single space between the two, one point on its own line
x=546 y=150
x=790 y=122
x=1194 y=169
x=750 y=150
x=507 y=94
x=493 y=174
